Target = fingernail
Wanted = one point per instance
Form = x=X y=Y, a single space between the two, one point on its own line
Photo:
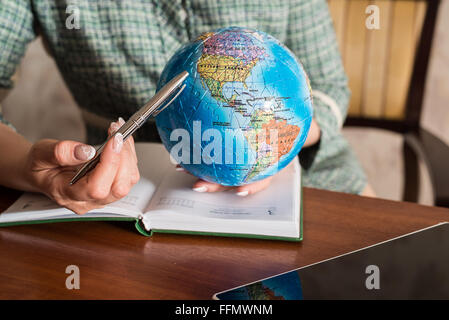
x=180 y=169
x=121 y=122
x=117 y=143
x=114 y=127
x=242 y=193
x=200 y=189
x=84 y=152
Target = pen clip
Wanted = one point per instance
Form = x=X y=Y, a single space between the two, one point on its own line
x=180 y=89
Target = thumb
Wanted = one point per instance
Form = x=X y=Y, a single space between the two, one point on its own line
x=64 y=153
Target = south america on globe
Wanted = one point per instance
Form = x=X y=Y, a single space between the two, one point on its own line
x=245 y=111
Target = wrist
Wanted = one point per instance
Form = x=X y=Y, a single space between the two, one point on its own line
x=314 y=134
x=26 y=174
x=13 y=163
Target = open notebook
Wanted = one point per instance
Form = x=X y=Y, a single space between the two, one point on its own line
x=163 y=201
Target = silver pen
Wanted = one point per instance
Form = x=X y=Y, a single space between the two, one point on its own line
x=152 y=108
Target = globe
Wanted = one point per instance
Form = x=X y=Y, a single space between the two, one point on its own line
x=245 y=111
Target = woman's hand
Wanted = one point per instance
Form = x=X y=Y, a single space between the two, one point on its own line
x=314 y=134
x=51 y=165
x=204 y=186
x=242 y=191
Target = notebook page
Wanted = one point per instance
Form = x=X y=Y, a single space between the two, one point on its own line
x=276 y=203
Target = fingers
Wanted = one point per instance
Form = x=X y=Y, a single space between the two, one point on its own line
x=242 y=191
x=52 y=153
x=181 y=169
x=53 y=164
x=129 y=147
x=114 y=175
x=96 y=185
x=79 y=207
x=202 y=186
x=205 y=186
x=101 y=178
x=128 y=173
x=254 y=187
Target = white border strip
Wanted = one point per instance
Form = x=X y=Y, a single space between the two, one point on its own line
x=344 y=254
x=332 y=105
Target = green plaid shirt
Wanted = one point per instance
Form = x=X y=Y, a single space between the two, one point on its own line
x=112 y=62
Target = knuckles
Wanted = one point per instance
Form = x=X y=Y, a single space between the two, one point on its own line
x=135 y=177
x=97 y=192
x=61 y=151
x=120 y=190
x=36 y=154
x=79 y=211
x=82 y=209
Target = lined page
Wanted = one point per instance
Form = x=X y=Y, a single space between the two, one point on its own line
x=276 y=203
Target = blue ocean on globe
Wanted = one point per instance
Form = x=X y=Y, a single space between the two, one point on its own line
x=245 y=111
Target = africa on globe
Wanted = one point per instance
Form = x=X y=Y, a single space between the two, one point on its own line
x=245 y=111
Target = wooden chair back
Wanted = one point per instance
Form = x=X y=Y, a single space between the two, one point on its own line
x=386 y=67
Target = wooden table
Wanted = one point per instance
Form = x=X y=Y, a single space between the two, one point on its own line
x=116 y=262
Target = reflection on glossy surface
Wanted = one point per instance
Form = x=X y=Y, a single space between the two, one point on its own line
x=415 y=266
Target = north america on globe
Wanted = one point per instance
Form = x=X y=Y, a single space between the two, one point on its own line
x=246 y=109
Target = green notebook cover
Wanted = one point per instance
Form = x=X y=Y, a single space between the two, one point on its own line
x=144 y=150
x=141 y=229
